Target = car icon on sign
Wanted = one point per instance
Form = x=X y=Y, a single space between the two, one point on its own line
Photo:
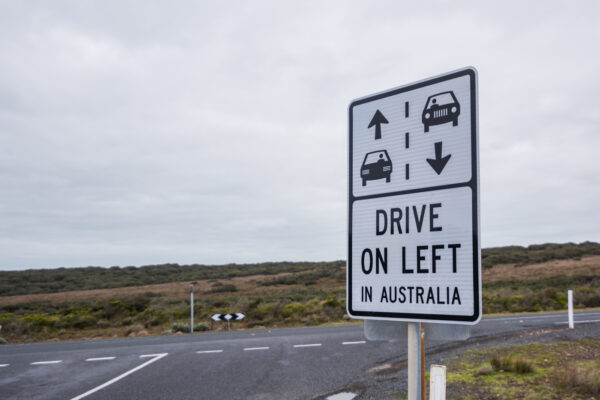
x=439 y=109
x=377 y=165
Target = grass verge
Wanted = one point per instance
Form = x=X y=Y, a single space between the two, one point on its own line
x=564 y=370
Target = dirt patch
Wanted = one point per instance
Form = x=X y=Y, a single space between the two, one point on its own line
x=586 y=266
x=174 y=290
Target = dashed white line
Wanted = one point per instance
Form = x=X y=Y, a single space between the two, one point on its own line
x=209 y=351
x=100 y=359
x=308 y=345
x=4 y=365
x=255 y=348
x=118 y=378
x=357 y=342
x=46 y=362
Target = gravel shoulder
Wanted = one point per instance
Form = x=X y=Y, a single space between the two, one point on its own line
x=388 y=380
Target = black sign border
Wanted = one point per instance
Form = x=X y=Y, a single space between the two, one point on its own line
x=473 y=183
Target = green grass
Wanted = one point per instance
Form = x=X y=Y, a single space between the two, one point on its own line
x=565 y=370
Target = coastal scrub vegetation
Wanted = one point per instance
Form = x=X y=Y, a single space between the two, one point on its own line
x=112 y=302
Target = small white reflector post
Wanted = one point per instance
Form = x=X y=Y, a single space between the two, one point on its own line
x=437 y=382
x=570 y=300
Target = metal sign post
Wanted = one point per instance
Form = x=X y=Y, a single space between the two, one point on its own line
x=423 y=390
x=414 y=361
x=191 y=308
x=413 y=208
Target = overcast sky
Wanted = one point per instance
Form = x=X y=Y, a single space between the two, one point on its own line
x=137 y=133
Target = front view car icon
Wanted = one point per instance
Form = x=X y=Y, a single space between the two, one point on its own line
x=439 y=109
x=377 y=165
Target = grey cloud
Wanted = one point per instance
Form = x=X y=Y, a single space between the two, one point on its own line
x=214 y=133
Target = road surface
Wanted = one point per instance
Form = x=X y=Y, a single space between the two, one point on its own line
x=297 y=363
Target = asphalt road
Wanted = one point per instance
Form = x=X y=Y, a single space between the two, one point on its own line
x=298 y=363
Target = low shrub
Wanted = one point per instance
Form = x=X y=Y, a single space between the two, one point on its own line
x=184 y=327
x=585 y=382
x=201 y=327
x=37 y=321
x=134 y=330
x=181 y=327
x=521 y=366
x=500 y=363
x=223 y=288
x=332 y=301
x=507 y=364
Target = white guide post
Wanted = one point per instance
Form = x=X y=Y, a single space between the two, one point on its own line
x=437 y=383
x=414 y=361
x=570 y=300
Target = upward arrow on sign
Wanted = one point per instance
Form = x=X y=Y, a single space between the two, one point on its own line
x=376 y=121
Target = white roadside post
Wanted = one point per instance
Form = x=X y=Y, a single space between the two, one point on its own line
x=570 y=301
x=414 y=252
x=191 y=308
x=437 y=383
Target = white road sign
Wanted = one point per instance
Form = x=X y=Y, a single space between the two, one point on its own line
x=413 y=202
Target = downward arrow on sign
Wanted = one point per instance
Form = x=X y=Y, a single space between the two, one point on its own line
x=438 y=163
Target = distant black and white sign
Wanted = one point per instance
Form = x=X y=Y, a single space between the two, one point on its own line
x=413 y=202
x=228 y=317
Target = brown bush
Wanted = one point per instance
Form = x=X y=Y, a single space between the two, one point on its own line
x=586 y=382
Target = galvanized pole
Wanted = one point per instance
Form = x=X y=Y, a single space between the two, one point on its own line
x=423 y=390
x=191 y=308
x=414 y=359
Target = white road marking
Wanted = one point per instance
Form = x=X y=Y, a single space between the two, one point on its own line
x=308 y=345
x=153 y=355
x=100 y=359
x=209 y=351
x=522 y=318
x=46 y=362
x=556 y=316
x=359 y=342
x=4 y=365
x=118 y=378
x=255 y=348
x=342 y=396
x=589 y=321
